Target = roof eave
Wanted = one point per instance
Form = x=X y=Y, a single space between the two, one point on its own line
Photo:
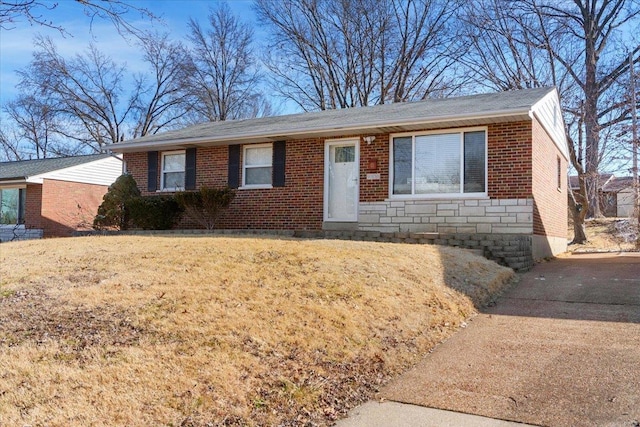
x=124 y=147
x=14 y=180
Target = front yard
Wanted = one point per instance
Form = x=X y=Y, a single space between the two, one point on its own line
x=128 y=330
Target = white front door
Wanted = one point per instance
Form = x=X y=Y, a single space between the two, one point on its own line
x=341 y=180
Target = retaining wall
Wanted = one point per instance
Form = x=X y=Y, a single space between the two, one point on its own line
x=509 y=250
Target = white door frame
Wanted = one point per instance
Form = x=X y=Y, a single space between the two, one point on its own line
x=327 y=149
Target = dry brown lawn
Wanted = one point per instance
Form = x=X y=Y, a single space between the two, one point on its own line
x=607 y=235
x=185 y=331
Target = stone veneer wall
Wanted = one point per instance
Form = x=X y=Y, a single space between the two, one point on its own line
x=496 y=216
x=9 y=233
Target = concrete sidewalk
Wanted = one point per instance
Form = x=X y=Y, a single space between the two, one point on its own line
x=562 y=348
x=395 y=414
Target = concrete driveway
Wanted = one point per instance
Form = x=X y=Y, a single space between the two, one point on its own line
x=562 y=348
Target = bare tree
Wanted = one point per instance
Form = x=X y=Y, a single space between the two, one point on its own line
x=594 y=27
x=224 y=76
x=35 y=12
x=10 y=145
x=35 y=125
x=85 y=90
x=573 y=45
x=163 y=99
x=338 y=54
x=504 y=51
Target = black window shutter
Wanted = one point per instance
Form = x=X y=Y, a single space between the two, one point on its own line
x=152 y=170
x=190 y=169
x=279 y=157
x=234 y=166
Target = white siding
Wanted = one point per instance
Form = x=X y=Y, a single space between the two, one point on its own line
x=625 y=203
x=101 y=172
x=549 y=114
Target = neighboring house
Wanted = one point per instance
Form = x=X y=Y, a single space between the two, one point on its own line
x=482 y=168
x=621 y=193
x=616 y=194
x=53 y=197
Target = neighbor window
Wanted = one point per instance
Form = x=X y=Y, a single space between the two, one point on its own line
x=173 y=167
x=12 y=206
x=257 y=165
x=439 y=163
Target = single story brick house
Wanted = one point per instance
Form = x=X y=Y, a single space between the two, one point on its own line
x=53 y=197
x=468 y=168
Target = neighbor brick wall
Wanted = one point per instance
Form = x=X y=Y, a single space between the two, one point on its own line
x=550 y=203
x=33 y=206
x=68 y=206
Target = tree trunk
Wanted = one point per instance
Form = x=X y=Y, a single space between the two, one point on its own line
x=578 y=213
x=591 y=125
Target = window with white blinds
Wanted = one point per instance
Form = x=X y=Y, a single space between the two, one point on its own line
x=450 y=163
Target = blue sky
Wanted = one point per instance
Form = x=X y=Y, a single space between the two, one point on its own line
x=16 y=44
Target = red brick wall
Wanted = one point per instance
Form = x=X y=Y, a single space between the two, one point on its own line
x=33 y=206
x=67 y=206
x=374 y=190
x=136 y=165
x=550 y=203
x=509 y=154
x=299 y=205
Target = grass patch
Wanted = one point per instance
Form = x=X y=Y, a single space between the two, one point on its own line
x=128 y=330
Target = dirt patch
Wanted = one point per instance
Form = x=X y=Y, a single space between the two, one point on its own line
x=607 y=235
x=33 y=316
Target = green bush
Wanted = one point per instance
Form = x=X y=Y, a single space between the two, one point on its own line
x=205 y=205
x=154 y=212
x=114 y=212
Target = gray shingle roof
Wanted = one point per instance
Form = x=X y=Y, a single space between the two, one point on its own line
x=618 y=184
x=28 y=168
x=491 y=104
x=574 y=183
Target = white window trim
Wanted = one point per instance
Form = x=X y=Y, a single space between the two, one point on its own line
x=246 y=186
x=170 y=153
x=460 y=195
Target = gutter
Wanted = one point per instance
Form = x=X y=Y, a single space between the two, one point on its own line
x=15 y=181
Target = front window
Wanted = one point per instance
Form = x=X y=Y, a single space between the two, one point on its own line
x=257 y=165
x=173 y=167
x=439 y=163
x=12 y=202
